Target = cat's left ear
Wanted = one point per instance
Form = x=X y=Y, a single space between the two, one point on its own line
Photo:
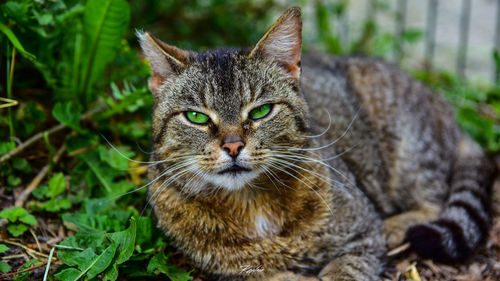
x=282 y=43
x=165 y=60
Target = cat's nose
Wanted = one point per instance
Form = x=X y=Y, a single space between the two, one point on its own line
x=233 y=146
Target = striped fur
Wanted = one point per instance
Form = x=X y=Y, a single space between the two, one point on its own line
x=352 y=147
x=465 y=220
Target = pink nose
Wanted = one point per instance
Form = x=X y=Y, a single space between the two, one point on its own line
x=233 y=148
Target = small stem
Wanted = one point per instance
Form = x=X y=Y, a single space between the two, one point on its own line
x=39 y=177
x=48 y=265
x=52 y=130
x=10 y=76
x=29 y=250
x=22 y=271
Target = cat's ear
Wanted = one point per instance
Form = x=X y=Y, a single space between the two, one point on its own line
x=282 y=43
x=165 y=60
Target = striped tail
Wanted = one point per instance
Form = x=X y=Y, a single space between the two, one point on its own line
x=466 y=217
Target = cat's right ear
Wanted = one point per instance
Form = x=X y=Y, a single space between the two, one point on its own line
x=165 y=60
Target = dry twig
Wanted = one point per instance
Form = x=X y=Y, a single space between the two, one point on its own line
x=52 y=130
x=2 y=276
x=39 y=177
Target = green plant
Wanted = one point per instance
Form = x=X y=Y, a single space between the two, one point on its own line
x=74 y=65
x=19 y=220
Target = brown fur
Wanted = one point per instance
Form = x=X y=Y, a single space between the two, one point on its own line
x=350 y=148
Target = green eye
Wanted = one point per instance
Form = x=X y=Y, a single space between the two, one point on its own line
x=261 y=111
x=196 y=117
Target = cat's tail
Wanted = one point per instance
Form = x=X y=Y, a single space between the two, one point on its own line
x=465 y=219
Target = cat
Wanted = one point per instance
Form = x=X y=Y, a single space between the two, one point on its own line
x=273 y=165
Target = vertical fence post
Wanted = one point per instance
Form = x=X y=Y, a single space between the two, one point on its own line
x=463 y=38
x=343 y=26
x=496 y=66
x=430 y=36
x=400 y=22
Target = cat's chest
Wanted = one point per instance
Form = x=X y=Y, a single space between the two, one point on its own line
x=261 y=225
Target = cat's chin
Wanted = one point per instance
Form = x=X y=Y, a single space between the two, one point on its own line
x=232 y=180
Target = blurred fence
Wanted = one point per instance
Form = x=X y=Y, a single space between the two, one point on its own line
x=442 y=22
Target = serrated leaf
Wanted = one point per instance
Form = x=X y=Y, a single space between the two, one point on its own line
x=68 y=114
x=159 y=262
x=18 y=213
x=17 y=229
x=177 y=274
x=126 y=240
x=12 y=214
x=28 y=219
x=104 y=24
x=57 y=184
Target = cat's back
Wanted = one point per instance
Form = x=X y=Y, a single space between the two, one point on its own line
x=390 y=125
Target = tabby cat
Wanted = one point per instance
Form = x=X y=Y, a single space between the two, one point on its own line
x=270 y=165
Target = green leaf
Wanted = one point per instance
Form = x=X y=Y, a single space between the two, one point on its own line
x=104 y=24
x=14 y=41
x=21 y=164
x=53 y=205
x=5 y=267
x=116 y=158
x=144 y=230
x=6 y=147
x=159 y=262
x=18 y=213
x=74 y=245
x=126 y=240
x=41 y=192
x=87 y=222
x=12 y=214
x=17 y=229
x=111 y=273
x=104 y=173
x=28 y=219
x=13 y=180
x=68 y=114
x=89 y=263
x=102 y=261
x=69 y=274
x=3 y=248
x=82 y=259
x=57 y=184
x=25 y=275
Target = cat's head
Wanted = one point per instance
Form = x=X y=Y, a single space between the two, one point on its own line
x=222 y=116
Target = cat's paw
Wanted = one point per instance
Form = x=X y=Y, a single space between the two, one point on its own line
x=290 y=276
x=395 y=233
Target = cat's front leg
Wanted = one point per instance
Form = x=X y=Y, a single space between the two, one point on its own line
x=351 y=267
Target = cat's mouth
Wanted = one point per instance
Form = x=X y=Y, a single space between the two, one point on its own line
x=234 y=169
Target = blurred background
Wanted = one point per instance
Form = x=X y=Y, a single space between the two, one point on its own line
x=75 y=108
x=453 y=35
